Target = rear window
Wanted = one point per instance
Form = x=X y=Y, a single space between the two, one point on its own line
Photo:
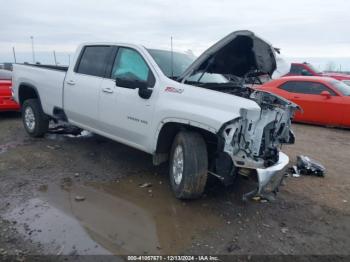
x=341 y=87
x=296 y=69
x=93 y=60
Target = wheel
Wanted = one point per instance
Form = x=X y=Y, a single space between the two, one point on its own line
x=35 y=121
x=188 y=166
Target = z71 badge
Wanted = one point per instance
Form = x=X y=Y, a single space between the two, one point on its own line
x=173 y=90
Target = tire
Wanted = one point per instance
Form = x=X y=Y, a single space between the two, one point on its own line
x=190 y=183
x=34 y=119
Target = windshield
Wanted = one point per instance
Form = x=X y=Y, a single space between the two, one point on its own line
x=163 y=59
x=341 y=87
x=346 y=82
x=207 y=78
x=182 y=61
x=314 y=68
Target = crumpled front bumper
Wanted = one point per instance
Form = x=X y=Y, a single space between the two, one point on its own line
x=270 y=178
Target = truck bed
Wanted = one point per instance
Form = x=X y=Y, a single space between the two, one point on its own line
x=53 y=67
x=47 y=79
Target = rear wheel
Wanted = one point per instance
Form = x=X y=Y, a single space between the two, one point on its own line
x=35 y=121
x=188 y=167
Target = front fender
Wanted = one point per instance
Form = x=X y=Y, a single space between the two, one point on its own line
x=180 y=121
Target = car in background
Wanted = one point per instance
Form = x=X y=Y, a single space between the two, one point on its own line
x=307 y=69
x=346 y=82
x=6 y=101
x=323 y=100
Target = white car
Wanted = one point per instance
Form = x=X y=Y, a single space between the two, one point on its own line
x=198 y=115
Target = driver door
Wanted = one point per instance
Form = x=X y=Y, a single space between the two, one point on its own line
x=123 y=114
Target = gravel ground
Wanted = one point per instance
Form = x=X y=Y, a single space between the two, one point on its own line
x=89 y=195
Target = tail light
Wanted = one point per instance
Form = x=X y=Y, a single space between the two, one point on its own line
x=12 y=94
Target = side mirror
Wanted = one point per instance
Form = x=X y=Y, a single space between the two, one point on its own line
x=304 y=72
x=144 y=91
x=326 y=94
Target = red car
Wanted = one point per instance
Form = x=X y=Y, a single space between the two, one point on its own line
x=306 y=69
x=324 y=100
x=6 y=101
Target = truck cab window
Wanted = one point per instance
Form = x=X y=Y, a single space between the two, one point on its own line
x=296 y=69
x=93 y=60
x=130 y=65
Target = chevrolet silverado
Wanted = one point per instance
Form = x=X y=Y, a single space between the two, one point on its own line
x=200 y=115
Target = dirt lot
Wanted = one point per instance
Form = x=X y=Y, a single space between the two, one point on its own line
x=82 y=195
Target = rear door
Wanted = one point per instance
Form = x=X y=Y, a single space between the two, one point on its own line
x=316 y=108
x=82 y=85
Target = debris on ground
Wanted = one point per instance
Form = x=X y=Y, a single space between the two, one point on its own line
x=295 y=171
x=308 y=166
x=256 y=198
x=284 y=230
x=144 y=185
x=54 y=147
x=79 y=198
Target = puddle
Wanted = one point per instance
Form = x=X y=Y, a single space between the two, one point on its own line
x=119 y=217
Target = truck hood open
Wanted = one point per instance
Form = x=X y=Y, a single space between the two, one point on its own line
x=237 y=54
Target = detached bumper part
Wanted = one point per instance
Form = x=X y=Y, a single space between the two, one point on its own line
x=269 y=178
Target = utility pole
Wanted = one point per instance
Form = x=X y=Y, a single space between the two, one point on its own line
x=54 y=56
x=172 y=57
x=33 y=53
x=14 y=54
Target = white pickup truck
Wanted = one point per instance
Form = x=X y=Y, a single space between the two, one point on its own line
x=200 y=115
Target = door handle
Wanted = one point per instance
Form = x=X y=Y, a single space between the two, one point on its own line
x=70 y=82
x=107 y=90
x=296 y=96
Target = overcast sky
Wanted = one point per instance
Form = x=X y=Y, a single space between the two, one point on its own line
x=300 y=28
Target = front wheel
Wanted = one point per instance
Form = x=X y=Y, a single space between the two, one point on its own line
x=188 y=167
x=35 y=121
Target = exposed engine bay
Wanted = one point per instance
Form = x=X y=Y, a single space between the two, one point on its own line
x=251 y=143
x=253 y=140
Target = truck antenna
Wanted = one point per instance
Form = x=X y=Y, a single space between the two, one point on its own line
x=14 y=54
x=172 y=57
x=54 y=57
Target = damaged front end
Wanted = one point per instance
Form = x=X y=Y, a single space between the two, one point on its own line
x=251 y=143
x=254 y=139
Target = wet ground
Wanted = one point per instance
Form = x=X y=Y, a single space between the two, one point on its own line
x=67 y=194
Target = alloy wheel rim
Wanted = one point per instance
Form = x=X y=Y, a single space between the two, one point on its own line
x=29 y=118
x=178 y=164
